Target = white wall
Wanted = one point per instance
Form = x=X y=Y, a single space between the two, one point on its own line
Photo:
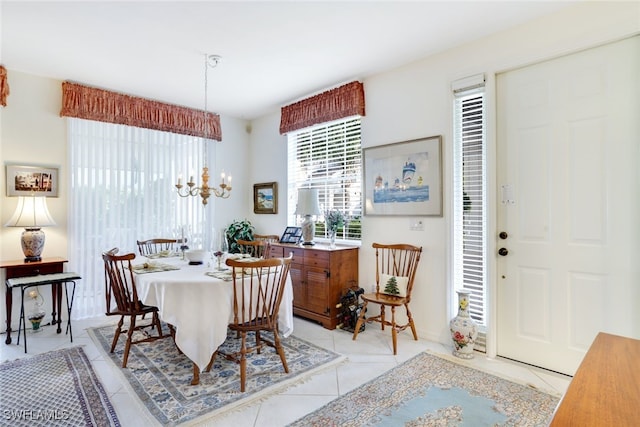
x=415 y=101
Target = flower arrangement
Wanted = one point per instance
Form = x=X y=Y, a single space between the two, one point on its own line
x=334 y=219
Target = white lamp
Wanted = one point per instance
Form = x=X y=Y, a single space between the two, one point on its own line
x=308 y=206
x=32 y=214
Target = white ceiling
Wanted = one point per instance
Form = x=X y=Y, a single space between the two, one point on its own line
x=273 y=53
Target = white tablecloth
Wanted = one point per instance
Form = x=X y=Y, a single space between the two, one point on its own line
x=198 y=306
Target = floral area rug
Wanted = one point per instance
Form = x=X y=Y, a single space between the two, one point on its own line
x=428 y=390
x=160 y=376
x=58 y=388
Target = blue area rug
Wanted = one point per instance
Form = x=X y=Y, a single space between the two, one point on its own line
x=428 y=390
x=58 y=388
x=160 y=376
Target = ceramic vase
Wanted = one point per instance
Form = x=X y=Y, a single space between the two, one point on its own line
x=464 y=330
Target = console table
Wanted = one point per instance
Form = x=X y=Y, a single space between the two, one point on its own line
x=605 y=390
x=20 y=268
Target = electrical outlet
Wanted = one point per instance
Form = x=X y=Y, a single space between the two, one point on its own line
x=416 y=224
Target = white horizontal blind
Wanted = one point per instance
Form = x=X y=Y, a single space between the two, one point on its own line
x=122 y=190
x=470 y=199
x=328 y=157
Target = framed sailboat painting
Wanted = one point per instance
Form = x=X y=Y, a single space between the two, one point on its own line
x=404 y=178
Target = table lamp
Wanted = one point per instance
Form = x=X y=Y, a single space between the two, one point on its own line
x=308 y=206
x=32 y=214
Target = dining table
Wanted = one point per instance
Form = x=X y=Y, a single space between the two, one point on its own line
x=197 y=300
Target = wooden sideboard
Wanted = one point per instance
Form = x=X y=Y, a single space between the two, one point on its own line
x=319 y=276
x=605 y=390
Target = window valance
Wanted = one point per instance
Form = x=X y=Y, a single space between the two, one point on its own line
x=101 y=105
x=334 y=104
x=4 y=86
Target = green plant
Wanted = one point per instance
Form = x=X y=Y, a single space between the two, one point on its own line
x=238 y=230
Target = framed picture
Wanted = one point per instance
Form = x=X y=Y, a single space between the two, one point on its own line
x=404 y=178
x=265 y=198
x=291 y=235
x=25 y=180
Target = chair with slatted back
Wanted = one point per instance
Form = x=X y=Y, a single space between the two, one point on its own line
x=156 y=246
x=271 y=238
x=121 y=290
x=395 y=273
x=258 y=287
x=254 y=248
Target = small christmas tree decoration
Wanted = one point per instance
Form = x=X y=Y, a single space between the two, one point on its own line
x=391 y=287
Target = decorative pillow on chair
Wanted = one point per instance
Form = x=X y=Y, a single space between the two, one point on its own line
x=394 y=285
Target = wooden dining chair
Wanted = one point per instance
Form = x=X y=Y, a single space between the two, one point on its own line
x=258 y=287
x=254 y=248
x=154 y=246
x=121 y=290
x=271 y=238
x=395 y=273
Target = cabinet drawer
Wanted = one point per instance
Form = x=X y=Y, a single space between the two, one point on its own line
x=318 y=259
x=275 y=252
x=33 y=270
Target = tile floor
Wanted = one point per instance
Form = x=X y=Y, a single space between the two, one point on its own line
x=367 y=358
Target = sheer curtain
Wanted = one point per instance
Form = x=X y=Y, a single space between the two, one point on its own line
x=122 y=190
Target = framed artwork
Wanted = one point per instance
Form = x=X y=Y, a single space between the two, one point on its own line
x=25 y=180
x=291 y=235
x=404 y=178
x=265 y=198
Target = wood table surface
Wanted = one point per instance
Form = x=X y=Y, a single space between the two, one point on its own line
x=605 y=390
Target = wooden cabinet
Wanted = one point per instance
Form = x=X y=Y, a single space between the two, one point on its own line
x=319 y=276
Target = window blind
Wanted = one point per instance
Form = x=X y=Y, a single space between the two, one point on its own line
x=328 y=157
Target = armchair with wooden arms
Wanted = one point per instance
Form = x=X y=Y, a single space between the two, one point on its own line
x=121 y=288
x=396 y=266
x=258 y=288
x=155 y=246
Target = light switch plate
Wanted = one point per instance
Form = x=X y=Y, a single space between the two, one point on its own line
x=416 y=224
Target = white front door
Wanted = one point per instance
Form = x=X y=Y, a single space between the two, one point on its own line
x=568 y=157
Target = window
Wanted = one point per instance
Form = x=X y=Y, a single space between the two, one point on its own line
x=122 y=190
x=328 y=157
x=469 y=184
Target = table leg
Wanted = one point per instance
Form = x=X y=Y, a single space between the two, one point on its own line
x=56 y=299
x=196 y=375
x=8 y=304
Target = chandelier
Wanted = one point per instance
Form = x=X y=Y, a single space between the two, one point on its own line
x=224 y=188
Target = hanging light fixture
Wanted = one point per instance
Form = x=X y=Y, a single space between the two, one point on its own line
x=224 y=190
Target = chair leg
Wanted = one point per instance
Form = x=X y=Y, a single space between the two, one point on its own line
x=360 y=320
x=127 y=345
x=280 y=350
x=156 y=321
x=117 y=334
x=411 y=324
x=394 y=330
x=243 y=362
x=258 y=346
x=382 y=317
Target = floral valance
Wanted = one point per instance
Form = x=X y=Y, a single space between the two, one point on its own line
x=334 y=104
x=105 y=106
x=4 y=86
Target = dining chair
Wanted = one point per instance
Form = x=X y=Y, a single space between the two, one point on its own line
x=121 y=289
x=254 y=248
x=258 y=287
x=396 y=266
x=155 y=246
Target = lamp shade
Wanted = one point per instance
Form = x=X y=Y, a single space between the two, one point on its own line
x=307 y=202
x=31 y=212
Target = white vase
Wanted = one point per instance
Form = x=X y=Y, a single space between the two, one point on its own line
x=464 y=330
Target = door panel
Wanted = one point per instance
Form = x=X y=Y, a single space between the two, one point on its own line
x=567 y=153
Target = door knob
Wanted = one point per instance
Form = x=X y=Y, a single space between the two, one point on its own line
x=503 y=235
x=503 y=251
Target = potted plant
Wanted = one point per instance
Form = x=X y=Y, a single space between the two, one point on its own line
x=238 y=230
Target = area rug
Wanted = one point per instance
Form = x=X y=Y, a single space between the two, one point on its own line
x=58 y=388
x=429 y=390
x=160 y=376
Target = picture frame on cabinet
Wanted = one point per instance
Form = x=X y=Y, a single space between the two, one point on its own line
x=291 y=235
x=404 y=178
x=28 y=180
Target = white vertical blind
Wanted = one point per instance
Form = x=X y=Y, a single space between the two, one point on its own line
x=470 y=198
x=122 y=190
x=328 y=157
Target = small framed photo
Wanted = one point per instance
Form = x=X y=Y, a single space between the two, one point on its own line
x=265 y=198
x=291 y=235
x=25 y=180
